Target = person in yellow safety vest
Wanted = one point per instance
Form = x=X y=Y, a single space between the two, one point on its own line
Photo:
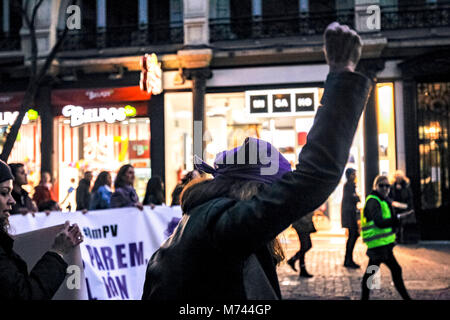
x=377 y=222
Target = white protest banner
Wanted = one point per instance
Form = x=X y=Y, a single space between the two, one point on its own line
x=117 y=245
x=31 y=246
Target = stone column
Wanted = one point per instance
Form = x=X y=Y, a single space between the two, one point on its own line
x=371 y=160
x=196 y=26
x=157 y=154
x=198 y=77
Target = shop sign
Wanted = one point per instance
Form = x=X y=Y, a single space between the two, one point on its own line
x=259 y=104
x=151 y=74
x=139 y=149
x=79 y=115
x=7 y=118
x=283 y=102
x=304 y=102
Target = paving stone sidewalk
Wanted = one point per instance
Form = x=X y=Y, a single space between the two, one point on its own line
x=426 y=271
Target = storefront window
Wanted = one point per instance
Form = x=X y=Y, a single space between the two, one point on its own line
x=26 y=150
x=102 y=147
x=386 y=128
x=178 y=139
x=283 y=118
x=27 y=147
x=100 y=130
x=433 y=124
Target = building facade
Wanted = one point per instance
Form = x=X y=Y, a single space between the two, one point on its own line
x=232 y=69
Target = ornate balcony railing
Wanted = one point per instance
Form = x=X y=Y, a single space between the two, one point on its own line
x=9 y=42
x=302 y=24
x=124 y=36
x=411 y=17
x=257 y=27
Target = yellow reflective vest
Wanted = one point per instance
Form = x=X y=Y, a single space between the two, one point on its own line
x=371 y=234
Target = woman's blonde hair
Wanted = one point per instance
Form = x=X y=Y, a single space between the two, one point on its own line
x=378 y=179
x=401 y=174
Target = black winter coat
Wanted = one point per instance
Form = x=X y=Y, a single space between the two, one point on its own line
x=204 y=257
x=372 y=212
x=349 y=212
x=15 y=282
x=83 y=195
x=403 y=194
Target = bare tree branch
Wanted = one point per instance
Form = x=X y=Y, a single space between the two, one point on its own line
x=31 y=28
x=35 y=80
x=51 y=56
x=35 y=10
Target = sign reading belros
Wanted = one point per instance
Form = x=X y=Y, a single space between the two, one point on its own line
x=151 y=74
x=79 y=115
x=283 y=102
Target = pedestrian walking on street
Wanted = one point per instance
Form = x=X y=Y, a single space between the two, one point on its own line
x=378 y=221
x=350 y=216
x=124 y=193
x=83 y=193
x=101 y=192
x=16 y=283
x=205 y=256
x=24 y=204
x=402 y=200
x=304 y=227
x=154 y=193
x=43 y=191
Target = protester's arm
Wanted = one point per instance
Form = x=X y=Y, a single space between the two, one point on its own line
x=321 y=164
x=41 y=284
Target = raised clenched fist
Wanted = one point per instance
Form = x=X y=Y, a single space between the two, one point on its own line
x=342 y=47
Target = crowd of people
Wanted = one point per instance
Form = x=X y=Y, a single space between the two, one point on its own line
x=99 y=196
x=225 y=245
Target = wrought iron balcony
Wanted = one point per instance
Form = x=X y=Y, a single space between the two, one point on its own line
x=303 y=24
x=9 y=42
x=124 y=36
x=412 y=17
x=257 y=27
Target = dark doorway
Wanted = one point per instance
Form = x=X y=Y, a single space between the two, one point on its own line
x=433 y=120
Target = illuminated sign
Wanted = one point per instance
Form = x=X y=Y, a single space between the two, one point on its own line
x=282 y=102
x=151 y=74
x=259 y=104
x=99 y=94
x=7 y=118
x=79 y=115
x=304 y=102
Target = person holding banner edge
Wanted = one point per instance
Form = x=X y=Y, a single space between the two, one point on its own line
x=205 y=256
x=49 y=272
x=124 y=193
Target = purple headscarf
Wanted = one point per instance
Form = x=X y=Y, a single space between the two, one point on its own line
x=255 y=160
